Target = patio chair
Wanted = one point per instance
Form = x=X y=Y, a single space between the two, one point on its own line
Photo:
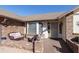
x=16 y=36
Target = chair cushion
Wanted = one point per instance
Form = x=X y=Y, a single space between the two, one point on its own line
x=16 y=35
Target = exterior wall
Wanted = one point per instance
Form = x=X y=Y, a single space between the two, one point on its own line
x=12 y=26
x=69 y=27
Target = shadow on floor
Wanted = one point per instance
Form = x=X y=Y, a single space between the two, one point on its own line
x=64 y=47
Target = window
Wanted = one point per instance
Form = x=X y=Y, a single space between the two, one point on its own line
x=60 y=27
x=76 y=23
x=35 y=28
x=32 y=28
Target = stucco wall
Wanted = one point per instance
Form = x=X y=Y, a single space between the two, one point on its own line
x=12 y=26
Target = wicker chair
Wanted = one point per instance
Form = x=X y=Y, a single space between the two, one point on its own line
x=16 y=36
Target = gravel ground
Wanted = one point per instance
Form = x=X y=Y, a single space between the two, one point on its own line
x=20 y=46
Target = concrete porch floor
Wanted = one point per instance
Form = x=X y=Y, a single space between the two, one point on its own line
x=55 y=46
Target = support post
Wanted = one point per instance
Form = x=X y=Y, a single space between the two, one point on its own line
x=33 y=46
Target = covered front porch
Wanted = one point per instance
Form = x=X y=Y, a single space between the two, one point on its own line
x=45 y=29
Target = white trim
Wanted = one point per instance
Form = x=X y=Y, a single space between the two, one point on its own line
x=27 y=27
x=37 y=27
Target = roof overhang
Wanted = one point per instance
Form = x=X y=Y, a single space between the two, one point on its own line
x=71 y=11
x=49 y=16
x=11 y=15
x=40 y=17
